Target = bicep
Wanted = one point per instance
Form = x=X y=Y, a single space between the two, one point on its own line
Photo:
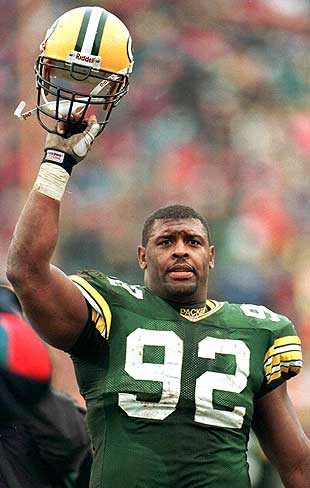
x=279 y=431
x=55 y=308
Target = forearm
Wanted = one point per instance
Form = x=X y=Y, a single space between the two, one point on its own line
x=36 y=233
x=52 y=303
x=34 y=241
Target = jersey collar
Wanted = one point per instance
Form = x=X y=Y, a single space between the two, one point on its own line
x=195 y=314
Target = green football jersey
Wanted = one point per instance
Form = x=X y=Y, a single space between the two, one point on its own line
x=169 y=391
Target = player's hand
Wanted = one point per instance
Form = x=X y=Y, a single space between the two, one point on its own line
x=76 y=146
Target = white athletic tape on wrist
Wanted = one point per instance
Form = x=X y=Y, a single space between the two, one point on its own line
x=51 y=180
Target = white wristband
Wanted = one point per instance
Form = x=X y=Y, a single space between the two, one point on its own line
x=51 y=180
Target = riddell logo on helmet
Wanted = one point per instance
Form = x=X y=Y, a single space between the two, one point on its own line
x=85 y=58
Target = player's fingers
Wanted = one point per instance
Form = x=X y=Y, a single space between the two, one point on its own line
x=81 y=148
x=60 y=127
x=92 y=128
x=63 y=126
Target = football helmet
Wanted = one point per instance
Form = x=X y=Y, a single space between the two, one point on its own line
x=83 y=68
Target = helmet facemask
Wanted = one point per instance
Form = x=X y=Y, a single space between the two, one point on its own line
x=70 y=92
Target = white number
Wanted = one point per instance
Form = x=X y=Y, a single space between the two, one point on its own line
x=209 y=381
x=169 y=374
x=135 y=291
x=259 y=312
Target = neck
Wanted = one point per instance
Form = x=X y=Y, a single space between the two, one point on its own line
x=187 y=302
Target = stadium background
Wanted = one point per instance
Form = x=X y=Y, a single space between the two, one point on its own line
x=217 y=117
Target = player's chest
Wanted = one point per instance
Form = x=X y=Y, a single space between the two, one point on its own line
x=166 y=364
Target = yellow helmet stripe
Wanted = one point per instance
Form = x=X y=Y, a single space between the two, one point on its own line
x=115 y=33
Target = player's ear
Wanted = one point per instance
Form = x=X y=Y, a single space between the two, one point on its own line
x=141 y=257
x=211 y=257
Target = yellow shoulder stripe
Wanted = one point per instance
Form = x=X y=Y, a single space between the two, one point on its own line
x=287 y=343
x=98 y=303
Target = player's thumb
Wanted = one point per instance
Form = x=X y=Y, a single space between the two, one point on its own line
x=81 y=148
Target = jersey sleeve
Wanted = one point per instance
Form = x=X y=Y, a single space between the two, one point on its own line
x=103 y=295
x=283 y=358
x=101 y=314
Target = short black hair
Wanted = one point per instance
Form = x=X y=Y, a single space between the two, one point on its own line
x=173 y=212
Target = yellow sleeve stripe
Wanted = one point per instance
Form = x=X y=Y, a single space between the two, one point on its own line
x=292 y=368
x=283 y=342
x=100 y=322
x=280 y=358
x=96 y=311
x=98 y=303
x=283 y=356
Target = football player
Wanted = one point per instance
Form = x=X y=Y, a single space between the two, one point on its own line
x=173 y=380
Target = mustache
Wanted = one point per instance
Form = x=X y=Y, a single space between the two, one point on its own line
x=181 y=265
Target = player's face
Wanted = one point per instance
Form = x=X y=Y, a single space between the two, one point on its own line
x=177 y=260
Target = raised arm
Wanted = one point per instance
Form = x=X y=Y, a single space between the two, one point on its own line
x=52 y=303
x=282 y=438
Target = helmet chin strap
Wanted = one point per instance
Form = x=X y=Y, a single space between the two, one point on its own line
x=63 y=105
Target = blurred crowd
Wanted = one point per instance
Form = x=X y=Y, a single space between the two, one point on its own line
x=217 y=117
